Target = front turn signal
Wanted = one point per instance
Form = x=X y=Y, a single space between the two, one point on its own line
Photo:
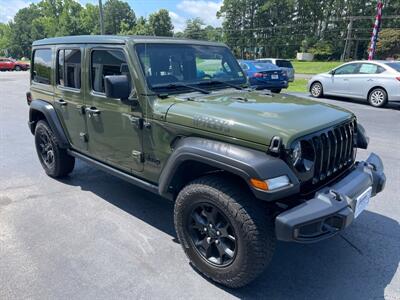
x=259 y=184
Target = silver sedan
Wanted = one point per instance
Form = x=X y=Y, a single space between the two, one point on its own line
x=375 y=81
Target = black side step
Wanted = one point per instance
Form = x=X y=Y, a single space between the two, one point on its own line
x=127 y=177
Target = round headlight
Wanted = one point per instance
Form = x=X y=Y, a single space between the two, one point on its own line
x=302 y=156
x=296 y=153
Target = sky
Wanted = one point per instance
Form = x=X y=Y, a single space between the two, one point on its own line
x=179 y=10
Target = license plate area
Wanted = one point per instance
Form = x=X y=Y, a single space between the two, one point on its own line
x=362 y=201
x=273 y=76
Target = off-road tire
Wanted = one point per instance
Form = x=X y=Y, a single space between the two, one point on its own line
x=253 y=227
x=62 y=163
x=378 y=97
x=317 y=90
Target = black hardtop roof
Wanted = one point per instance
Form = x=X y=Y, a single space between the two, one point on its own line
x=118 y=39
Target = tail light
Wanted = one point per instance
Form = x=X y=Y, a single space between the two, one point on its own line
x=258 y=75
x=398 y=78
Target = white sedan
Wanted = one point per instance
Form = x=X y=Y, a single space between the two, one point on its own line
x=375 y=81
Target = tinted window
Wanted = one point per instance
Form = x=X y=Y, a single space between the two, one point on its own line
x=347 y=69
x=265 y=66
x=69 y=68
x=394 y=65
x=284 y=64
x=104 y=63
x=42 y=66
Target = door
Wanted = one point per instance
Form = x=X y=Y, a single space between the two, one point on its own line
x=341 y=83
x=5 y=64
x=366 y=78
x=69 y=95
x=114 y=128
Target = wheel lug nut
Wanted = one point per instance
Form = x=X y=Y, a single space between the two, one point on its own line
x=205 y=228
x=217 y=242
x=218 y=233
x=209 y=240
x=211 y=225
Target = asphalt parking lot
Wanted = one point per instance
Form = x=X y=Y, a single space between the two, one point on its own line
x=93 y=236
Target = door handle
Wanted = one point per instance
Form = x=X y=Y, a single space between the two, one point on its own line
x=62 y=102
x=370 y=79
x=92 y=111
x=345 y=79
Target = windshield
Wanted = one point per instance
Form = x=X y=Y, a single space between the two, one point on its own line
x=175 y=66
x=394 y=65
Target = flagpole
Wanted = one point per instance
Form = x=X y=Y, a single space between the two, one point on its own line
x=375 y=31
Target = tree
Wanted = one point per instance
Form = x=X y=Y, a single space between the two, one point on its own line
x=161 y=24
x=142 y=27
x=89 y=18
x=389 y=43
x=4 y=38
x=213 y=34
x=116 y=13
x=194 y=29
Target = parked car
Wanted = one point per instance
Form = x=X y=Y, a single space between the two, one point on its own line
x=376 y=81
x=263 y=75
x=284 y=64
x=244 y=168
x=9 y=64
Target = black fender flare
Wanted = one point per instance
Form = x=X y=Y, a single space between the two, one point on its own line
x=52 y=119
x=244 y=162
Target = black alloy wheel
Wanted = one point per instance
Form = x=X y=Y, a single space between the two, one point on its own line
x=212 y=235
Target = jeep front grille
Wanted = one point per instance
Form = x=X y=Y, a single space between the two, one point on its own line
x=335 y=152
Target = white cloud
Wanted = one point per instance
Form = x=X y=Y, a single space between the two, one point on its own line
x=8 y=9
x=205 y=10
x=178 y=21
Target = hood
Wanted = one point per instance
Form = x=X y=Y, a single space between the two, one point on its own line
x=254 y=116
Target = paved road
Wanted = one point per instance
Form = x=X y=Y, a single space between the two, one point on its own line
x=92 y=236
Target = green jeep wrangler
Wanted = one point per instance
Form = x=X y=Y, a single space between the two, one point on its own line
x=244 y=167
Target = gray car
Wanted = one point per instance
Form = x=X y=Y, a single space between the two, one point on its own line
x=378 y=82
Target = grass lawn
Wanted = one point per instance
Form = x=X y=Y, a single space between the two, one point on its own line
x=314 y=67
x=299 y=85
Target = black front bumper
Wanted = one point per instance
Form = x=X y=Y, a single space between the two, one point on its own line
x=332 y=209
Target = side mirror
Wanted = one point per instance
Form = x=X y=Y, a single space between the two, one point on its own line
x=332 y=72
x=117 y=86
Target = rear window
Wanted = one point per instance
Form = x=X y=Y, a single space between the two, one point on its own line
x=284 y=64
x=41 y=66
x=394 y=65
x=265 y=66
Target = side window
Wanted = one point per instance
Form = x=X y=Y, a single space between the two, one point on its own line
x=42 y=66
x=347 y=69
x=104 y=63
x=69 y=68
x=370 y=69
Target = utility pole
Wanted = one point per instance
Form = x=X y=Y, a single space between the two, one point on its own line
x=347 y=45
x=101 y=17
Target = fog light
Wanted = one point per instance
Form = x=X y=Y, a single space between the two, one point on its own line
x=277 y=182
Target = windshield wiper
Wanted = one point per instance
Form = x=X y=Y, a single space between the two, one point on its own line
x=235 y=86
x=179 y=84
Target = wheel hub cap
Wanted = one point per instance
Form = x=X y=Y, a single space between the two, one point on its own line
x=212 y=235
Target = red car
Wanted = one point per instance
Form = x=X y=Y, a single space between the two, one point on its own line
x=9 y=64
